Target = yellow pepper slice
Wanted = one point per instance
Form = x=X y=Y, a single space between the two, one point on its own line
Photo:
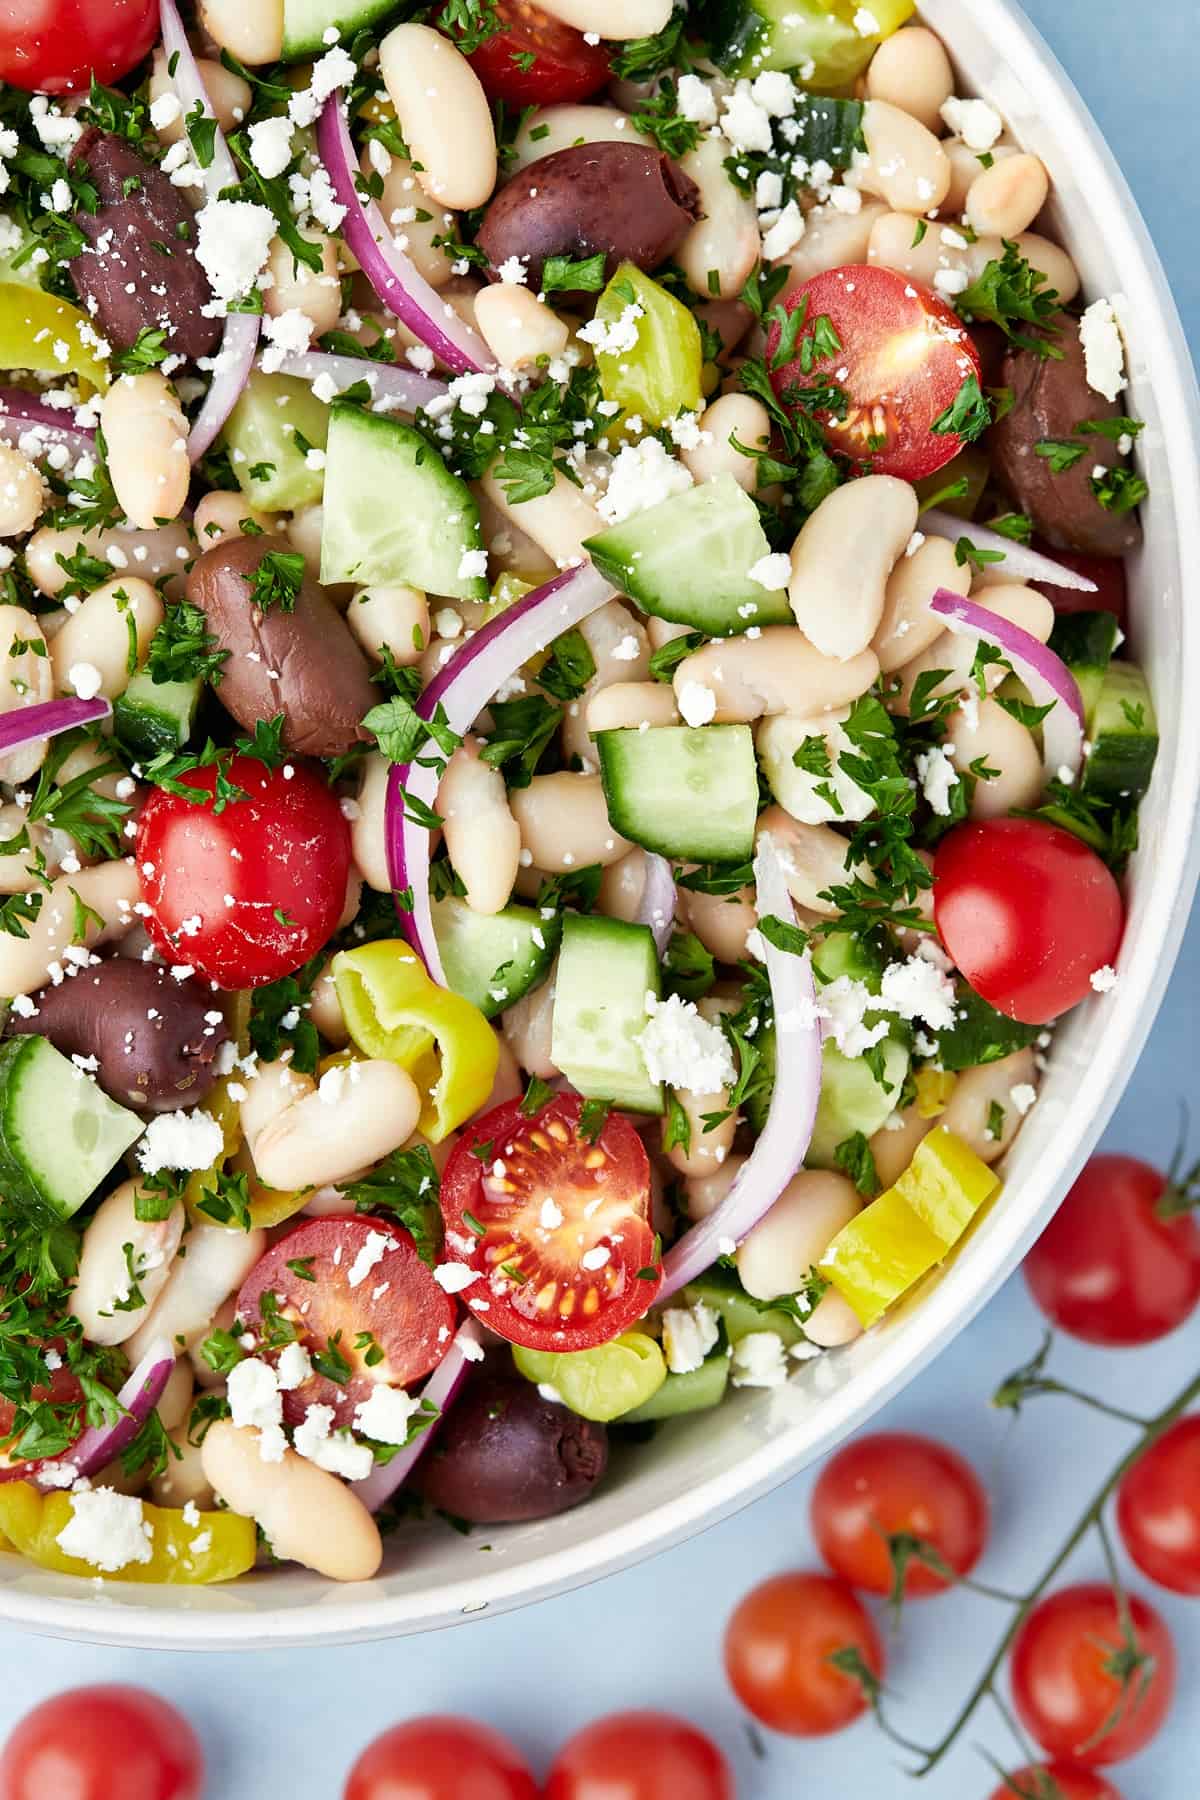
x=906 y=1231
x=934 y=1088
x=602 y=1383
x=38 y=331
x=393 y=1010
x=221 y=1547
x=660 y=375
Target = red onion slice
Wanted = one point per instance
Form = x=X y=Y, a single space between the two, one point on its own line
x=377 y=1488
x=22 y=413
x=1047 y=677
x=26 y=724
x=399 y=284
x=235 y=358
x=792 y=1114
x=1020 y=562
x=102 y=1444
x=463 y=688
x=405 y=389
x=656 y=908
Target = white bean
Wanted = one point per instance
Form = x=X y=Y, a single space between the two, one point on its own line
x=358 y=1114
x=153 y=554
x=833 y=239
x=842 y=559
x=368 y=838
x=203 y=1374
x=483 y=840
x=413 y=223
x=629 y=705
x=725 y=239
x=325 y=1010
x=738 y=416
x=307 y=1515
x=146 y=433
x=229 y=96
x=183 y=1479
x=519 y=328
x=907 y=625
x=120 y=1253
x=941 y=250
x=527 y=1026
x=617 y=19
x=1049 y=258
x=955 y=651
x=778 y=671
x=218 y=1260
x=26 y=679
x=706 y=1147
x=905 y=164
x=391 y=618
x=112 y=628
x=317 y=293
x=912 y=71
x=444 y=114
x=553 y=128
x=722 y=922
x=221 y=515
x=175 y=1401
x=621 y=653
x=1005 y=199
x=251 y=30
x=22 y=493
x=109 y=890
x=833 y=1322
x=564 y=822
x=304 y=530
x=969 y=1114
x=894 y=1150
x=964 y=167
x=777 y=1256
x=813 y=858
x=622 y=885
x=986 y=730
x=17 y=871
x=558 y=522
x=704 y=1193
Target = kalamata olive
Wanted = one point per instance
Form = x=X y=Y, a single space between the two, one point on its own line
x=154 y=1039
x=505 y=1454
x=304 y=663
x=139 y=270
x=631 y=203
x=1051 y=398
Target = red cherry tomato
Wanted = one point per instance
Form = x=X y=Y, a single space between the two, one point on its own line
x=357 y=1286
x=601 y=1202
x=1108 y=573
x=1107 y=1268
x=102 y=1743
x=778 y=1649
x=440 y=1759
x=281 y=855
x=1158 y=1508
x=903 y=357
x=62 y=1390
x=1028 y=913
x=1070 y=1783
x=640 y=1756
x=895 y=1482
x=54 y=46
x=1066 y=1688
x=564 y=65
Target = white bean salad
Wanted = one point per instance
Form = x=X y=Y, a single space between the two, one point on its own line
x=564 y=737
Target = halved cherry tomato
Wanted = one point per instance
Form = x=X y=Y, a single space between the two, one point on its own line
x=778 y=1650
x=102 y=1743
x=335 y=1282
x=62 y=1390
x=1068 y=1663
x=440 y=1759
x=248 y=893
x=559 y=1226
x=1108 y=573
x=1158 y=1508
x=54 y=46
x=1028 y=913
x=1064 y=1780
x=536 y=60
x=894 y=1482
x=902 y=356
x=640 y=1756
x=1108 y=1268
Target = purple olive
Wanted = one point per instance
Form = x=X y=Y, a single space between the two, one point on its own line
x=505 y=1455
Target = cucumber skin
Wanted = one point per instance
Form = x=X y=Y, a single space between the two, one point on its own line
x=583 y=936
x=663 y=838
x=1123 y=755
x=15 y=1182
x=773 y=609
x=349 y=17
x=698 y=1391
x=537 y=969
x=146 y=730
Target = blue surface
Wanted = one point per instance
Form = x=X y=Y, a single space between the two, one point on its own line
x=293 y=1721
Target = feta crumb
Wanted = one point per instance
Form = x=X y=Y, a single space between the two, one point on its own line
x=255 y=1401
x=938 y=777
x=865 y=23
x=452 y=1278
x=642 y=475
x=759 y=1361
x=180 y=1140
x=697 y=703
x=771 y=572
x=375 y=1247
x=232 y=240
x=386 y=1415
x=683 y=1049
x=974 y=121
x=695 y=100
x=294 y=1367
x=785 y=233
x=1023 y=1096
x=1103 y=349
x=689 y=1333
x=1104 y=979
x=107 y=1530
x=164 y=112
x=271 y=146
x=86 y=679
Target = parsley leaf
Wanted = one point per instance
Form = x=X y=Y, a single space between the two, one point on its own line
x=406 y=1185
x=560 y=273
x=276 y=581
x=1011 y=293
x=183 y=648
x=968 y=417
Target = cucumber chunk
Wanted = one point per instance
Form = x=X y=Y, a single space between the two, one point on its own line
x=687 y=560
x=151 y=716
x=59 y=1134
x=741 y=1315
x=493 y=961
x=305 y=23
x=697 y=1391
x=606 y=968
x=852 y=1100
x=394 y=513
x=1124 y=733
x=691 y=793
x=261 y=436
x=1086 y=642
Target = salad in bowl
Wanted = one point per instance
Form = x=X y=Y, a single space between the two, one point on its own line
x=565 y=738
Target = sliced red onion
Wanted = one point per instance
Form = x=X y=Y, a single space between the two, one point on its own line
x=377 y=1488
x=656 y=908
x=22 y=413
x=235 y=358
x=26 y=724
x=1020 y=562
x=405 y=389
x=102 y=1444
x=397 y=281
x=1046 y=675
x=792 y=1114
x=463 y=688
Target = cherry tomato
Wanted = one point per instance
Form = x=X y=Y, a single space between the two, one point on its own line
x=896 y=1482
x=1027 y=912
x=778 y=1649
x=358 y=1286
x=102 y=1743
x=1158 y=1508
x=1066 y=1683
x=564 y=65
x=902 y=356
x=440 y=1758
x=54 y=46
x=1107 y=1268
x=545 y=1290
x=249 y=892
x=1069 y=1783
x=63 y=1389
x=1108 y=573
x=640 y=1756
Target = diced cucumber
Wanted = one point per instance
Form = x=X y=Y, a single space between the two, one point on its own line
x=721 y=1289
x=688 y=792
x=687 y=559
x=156 y=715
x=605 y=970
x=697 y=1391
x=59 y=1134
x=492 y=961
x=1086 y=642
x=1124 y=734
x=394 y=513
x=852 y=1100
x=842 y=953
x=305 y=23
x=261 y=435
x=820 y=37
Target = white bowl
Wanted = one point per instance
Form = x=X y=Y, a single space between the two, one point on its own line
x=700 y=1471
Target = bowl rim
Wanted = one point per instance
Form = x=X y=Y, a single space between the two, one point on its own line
x=357 y=1617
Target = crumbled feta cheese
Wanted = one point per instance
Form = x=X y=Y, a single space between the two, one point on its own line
x=951 y=282
x=271 y=146
x=255 y=1402
x=1104 y=979
x=628 y=650
x=180 y=1140
x=697 y=703
x=1023 y=1096
x=759 y=1361
x=334 y=70
x=232 y=240
x=745 y=123
x=107 y=1530
x=771 y=572
x=86 y=679
x=386 y=1414
x=938 y=777
x=164 y=111
x=768 y=191
x=844 y=200
x=289 y=334
x=452 y=1278
x=785 y=233
x=294 y=1367
x=375 y=1247
x=1103 y=349
x=642 y=475
x=513 y=272
x=472 y=564
x=683 y=1049
x=917 y=989
x=335 y=1451
x=775 y=91
x=845 y=1004
x=617 y=338
x=974 y=121
x=689 y=1333
x=865 y=23
x=695 y=101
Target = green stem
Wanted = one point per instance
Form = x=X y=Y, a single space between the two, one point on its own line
x=1062 y=1388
